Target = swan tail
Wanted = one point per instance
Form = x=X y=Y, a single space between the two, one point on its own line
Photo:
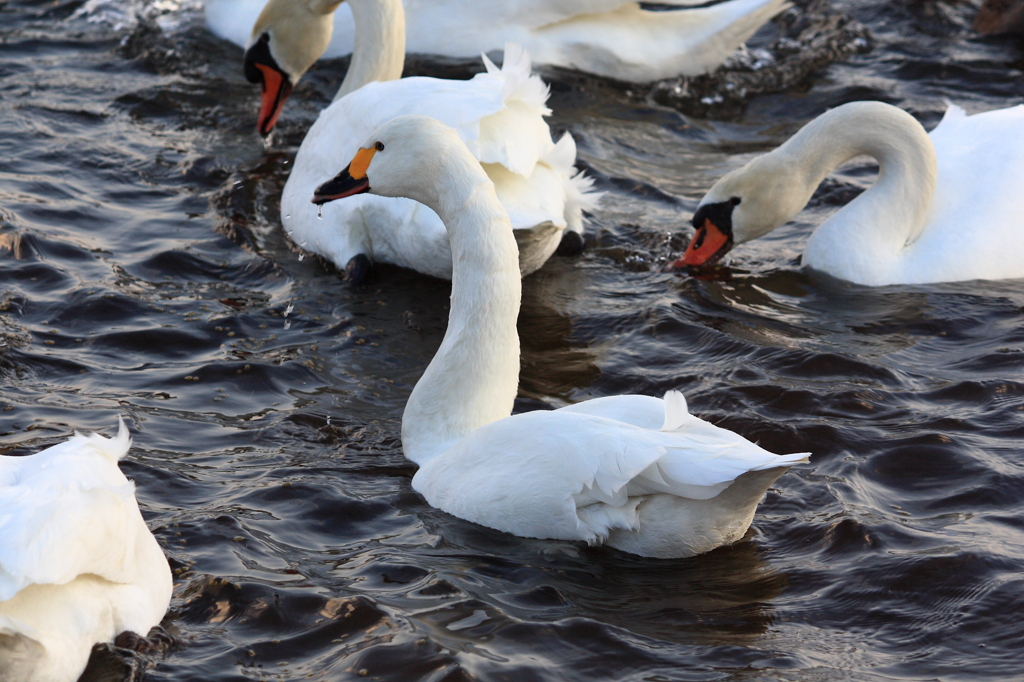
x=677 y=415
x=730 y=24
x=114 y=449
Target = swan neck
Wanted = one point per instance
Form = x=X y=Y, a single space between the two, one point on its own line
x=892 y=213
x=379 y=50
x=324 y=6
x=473 y=379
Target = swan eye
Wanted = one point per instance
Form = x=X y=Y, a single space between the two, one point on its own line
x=379 y=146
x=265 y=38
x=735 y=201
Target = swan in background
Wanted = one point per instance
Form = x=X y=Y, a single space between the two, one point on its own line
x=635 y=472
x=78 y=566
x=946 y=207
x=612 y=38
x=500 y=114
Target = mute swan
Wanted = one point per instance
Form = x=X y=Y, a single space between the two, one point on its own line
x=500 y=114
x=946 y=207
x=638 y=473
x=77 y=564
x=611 y=38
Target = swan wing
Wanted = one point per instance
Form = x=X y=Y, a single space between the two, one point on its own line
x=531 y=474
x=974 y=229
x=67 y=511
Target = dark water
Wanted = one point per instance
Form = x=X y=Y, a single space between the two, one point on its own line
x=143 y=273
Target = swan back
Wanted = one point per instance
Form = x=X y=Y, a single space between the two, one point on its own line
x=78 y=565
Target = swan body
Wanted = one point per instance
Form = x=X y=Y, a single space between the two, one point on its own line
x=946 y=207
x=78 y=566
x=634 y=472
x=499 y=114
x=612 y=38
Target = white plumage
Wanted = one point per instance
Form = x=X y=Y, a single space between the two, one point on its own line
x=946 y=207
x=498 y=114
x=78 y=566
x=613 y=38
x=634 y=472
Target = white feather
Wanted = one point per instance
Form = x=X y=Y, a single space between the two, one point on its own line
x=78 y=565
x=597 y=471
x=612 y=38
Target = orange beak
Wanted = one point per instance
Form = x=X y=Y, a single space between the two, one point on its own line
x=350 y=181
x=708 y=245
x=276 y=88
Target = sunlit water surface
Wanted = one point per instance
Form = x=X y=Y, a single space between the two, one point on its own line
x=143 y=273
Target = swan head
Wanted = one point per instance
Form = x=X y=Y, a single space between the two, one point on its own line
x=745 y=204
x=411 y=156
x=286 y=39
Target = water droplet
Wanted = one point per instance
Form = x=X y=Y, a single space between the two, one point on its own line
x=301 y=256
x=287 y=324
x=289 y=309
x=320 y=211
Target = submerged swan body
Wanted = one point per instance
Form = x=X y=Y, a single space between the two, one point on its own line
x=78 y=566
x=499 y=114
x=612 y=38
x=946 y=207
x=634 y=472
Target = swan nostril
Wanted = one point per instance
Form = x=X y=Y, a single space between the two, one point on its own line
x=698 y=239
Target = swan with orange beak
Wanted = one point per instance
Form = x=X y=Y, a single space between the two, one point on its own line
x=286 y=39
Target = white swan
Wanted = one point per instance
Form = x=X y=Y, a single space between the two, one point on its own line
x=634 y=472
x=500 y=114
x=946 y=207
x=613 y=38
x=77 y=564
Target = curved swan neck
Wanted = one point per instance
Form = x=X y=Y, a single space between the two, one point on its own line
x=474 y=376
x=890 y=214
x=379 y=50
x=324 y=6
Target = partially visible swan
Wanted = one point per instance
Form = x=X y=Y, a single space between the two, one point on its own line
x=613 y=38
x=500 y=114
x=77 y=564
x=634 y=472
x=946 y=207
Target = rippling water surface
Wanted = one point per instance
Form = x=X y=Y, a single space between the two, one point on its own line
x=143 y=273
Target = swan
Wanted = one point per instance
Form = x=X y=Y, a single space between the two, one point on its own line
x=634 y=472
x=499 y=113
x=77 y=564
x=946 y=207
x=612 y=38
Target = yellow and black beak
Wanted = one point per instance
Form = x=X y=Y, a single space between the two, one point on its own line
x=262 y=68
x=348 y=182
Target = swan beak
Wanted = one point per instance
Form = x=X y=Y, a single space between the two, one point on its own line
x=708 y=245
x=350 y=181
x=276 y=88
x=260 y=67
